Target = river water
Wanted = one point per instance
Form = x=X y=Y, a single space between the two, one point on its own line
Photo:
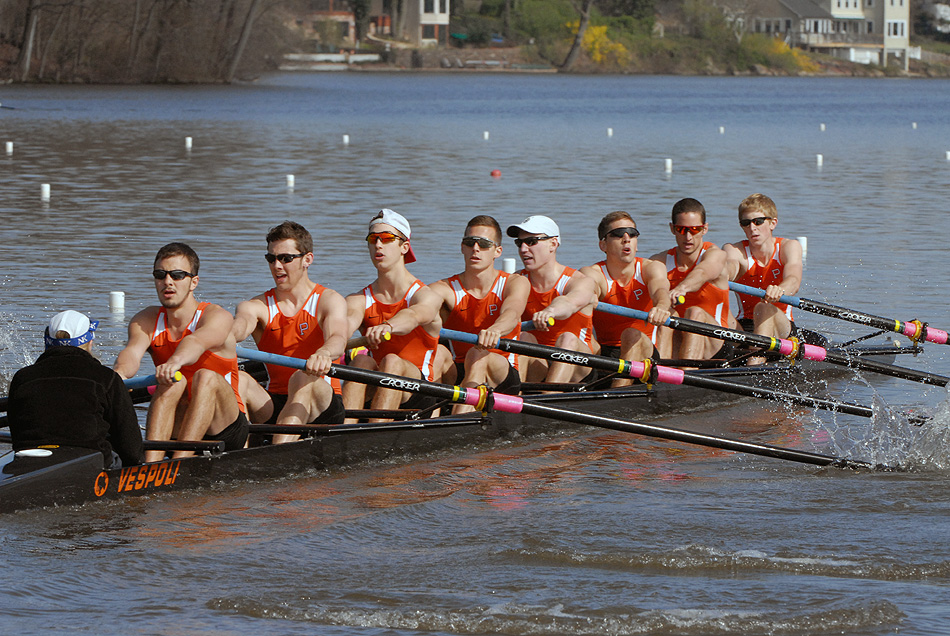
x=586 y=531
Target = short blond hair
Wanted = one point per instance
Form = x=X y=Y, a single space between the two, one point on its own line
x=759 y=203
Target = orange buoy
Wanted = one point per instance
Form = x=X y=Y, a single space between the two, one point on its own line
x=496 y=173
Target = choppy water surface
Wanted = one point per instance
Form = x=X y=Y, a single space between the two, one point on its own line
x=573 y=532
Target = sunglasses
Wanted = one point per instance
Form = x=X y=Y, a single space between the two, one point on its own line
x=482 y=242
x=759 y=220
x=531 y=241
x=283 y=258
x=692 y=229
x=176 y=274
x=383 y=237
x=620 y=232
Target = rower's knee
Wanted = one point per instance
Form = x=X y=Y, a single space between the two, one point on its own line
x=568 y=340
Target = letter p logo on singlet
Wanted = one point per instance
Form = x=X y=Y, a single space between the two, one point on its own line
x=776 y=274
x=492 y=309
x=302 y=327
x=637 y=293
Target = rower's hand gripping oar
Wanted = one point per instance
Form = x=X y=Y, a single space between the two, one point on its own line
x=792 y=349
x=483 y=398
x=650 y=372
x=914 y=329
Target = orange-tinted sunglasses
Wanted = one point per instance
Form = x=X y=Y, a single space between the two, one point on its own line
x=692 y=229
x=383 y=237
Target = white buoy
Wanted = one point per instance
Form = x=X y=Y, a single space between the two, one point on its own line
x=9 y=147
x=44 y=192
x=819 y=160
x=116 y=301
x=948 y=155
x=187 y=143
x=508 y=265
x=804 y=241
x=346 y=140
x=914 y=125
x=722 y=130
x=485 y=135
x=669 y=166
x=821 y=127
x=290 y=182
x=610 y=132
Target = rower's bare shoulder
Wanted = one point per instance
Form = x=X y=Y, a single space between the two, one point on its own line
x=145 y=318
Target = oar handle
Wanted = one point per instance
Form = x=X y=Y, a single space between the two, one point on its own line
x=144 y=381
x=911 y=329
x=755 y=291
x=783 y=346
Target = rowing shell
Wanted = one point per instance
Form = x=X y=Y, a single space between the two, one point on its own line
x=68 y=475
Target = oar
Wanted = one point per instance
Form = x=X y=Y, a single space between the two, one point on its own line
x=647 y=372
x=783 y=346
x=482 y=399
x=913 y=329
x=138 y=382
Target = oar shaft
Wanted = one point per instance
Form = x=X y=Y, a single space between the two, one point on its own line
x=783 y=346
x=667 y=375
x=909 y=329
x=514 y=404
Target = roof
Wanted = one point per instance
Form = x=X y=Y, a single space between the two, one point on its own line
x=806 y=9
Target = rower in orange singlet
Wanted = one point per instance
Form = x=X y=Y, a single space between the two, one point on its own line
x=557 y=292
x=297 y=318
x=767 y=262
x=696 y=270
x=195 y=339
x=487 y=302
x=627 y=280
x=397 y=304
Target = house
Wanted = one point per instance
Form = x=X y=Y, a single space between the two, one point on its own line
x=863 y=31
x=421 y=22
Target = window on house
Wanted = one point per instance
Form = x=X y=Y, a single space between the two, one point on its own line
x=788 y=25
x=870 y=3
x=870 y=27
x=443 y=6
x=429 y=6
x=428 y=31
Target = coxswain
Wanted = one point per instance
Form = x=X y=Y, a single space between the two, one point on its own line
x=627 y=280
x=68 y=398
x=484 y=301
x=297 y=318
x=697 y=271
x=397 y=315
x=767 y=262
x=193 y=338
x=557 y=292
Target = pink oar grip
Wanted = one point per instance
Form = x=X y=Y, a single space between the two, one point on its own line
x=811 y=352
x=669 y=375
x=909 y=329
x=502 y=402
x=937 y=335
x=786 y=347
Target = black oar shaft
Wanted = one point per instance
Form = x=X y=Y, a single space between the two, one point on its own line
x=673 y=376
x=513 y=404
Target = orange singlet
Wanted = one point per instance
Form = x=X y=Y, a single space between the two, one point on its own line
x=297 y=336
x=714 y=300
x=579 y=324
x=417 y=347
x=162 y=348
x=472 y=314
x=761 y=276
x=634 y=295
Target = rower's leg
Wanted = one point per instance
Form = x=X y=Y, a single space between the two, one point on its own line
x=386 y=398
x=769 y=321
x=258 y=401
x=531 y=369
x=162 y=411
x=694 y=346
x=562 y=371
x=634 y=345
x=482 y=367
x=355 y=393
x=212 y=408
x=307 y=397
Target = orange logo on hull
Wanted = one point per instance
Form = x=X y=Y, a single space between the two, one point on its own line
x=144 y=476
x=102 y=483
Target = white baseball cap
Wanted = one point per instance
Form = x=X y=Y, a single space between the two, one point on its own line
x=77 y=325
x=536 y=224
x=398 y=222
